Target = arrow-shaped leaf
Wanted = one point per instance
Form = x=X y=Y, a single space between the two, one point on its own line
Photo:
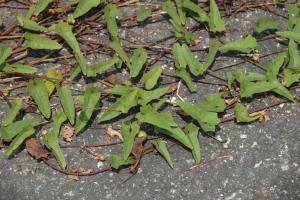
x=38 y=91
x=35 y=41
x=162 y=148
x=91 y=99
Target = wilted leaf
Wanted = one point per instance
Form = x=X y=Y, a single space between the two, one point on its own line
x=64 y=30
x=216 y=23
x=162 y=148
x=18 y=140
x=14 y=110
x=138 y=59
x=19 y=68
x=13 y=129
x=84 y=6
x=150 y=78
x=29 y=24
x=192 y=132
x=91 y=99
x=38 y=91
x=66 y=100
x=51 y=139
x=41 y=6
x=129 y=131
x=117 y=161
x=195 y=11
x=35 y=41
x=241 y=114
x=263 y=24
x=5 y=52
x=143 y=13
x=245 y=45
x=35 y=149
x=164 y=121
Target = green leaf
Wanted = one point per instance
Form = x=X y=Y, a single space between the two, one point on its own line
x=193 y=132
x=143 y=13
x=116 y=46
x=122 y=105
x=290 y=77
x=247 y=89
x=281 y=90
x=51 y=139
x=29 y=24
x=207 y=120
x=180 y=11
x=67 y=102
x=35 y=41
x=14 y=110
x=212 y=102
x=144 y=97
x=5 y=52
x=241 y=114
x=164 y=121
x=170 y=8
x=294 y=58
x=117 y=161
x=195 y=11
x=19 y=68
x=178 y=55
x=75 y=72
x=185 y=76
x=65 y=31
x=263 y=24
x=194 y=65
x=37 y=89
x=13 y=129
x=52 y=73
x=84 y=6
x=41 y=6
x=274 y=67
x=293 y=11
x=18 y=141
x=98 y=68
x=230 y=79
x=162 y=148
x=290 y=35
x=151 y=77
x=111 y=12
x=214 y=46
x=216 y=23
x=244 y=45
x=129 y=132
x=138 y=59
x=91 y=99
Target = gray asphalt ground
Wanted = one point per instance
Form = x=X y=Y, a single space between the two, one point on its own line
x=259 y=161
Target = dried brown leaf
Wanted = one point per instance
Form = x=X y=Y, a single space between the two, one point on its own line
x=35 y=149
x=74 y=177
x=112 y=133
x=67 y=133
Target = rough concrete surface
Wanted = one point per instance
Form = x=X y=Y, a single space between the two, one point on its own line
x=259 y=161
